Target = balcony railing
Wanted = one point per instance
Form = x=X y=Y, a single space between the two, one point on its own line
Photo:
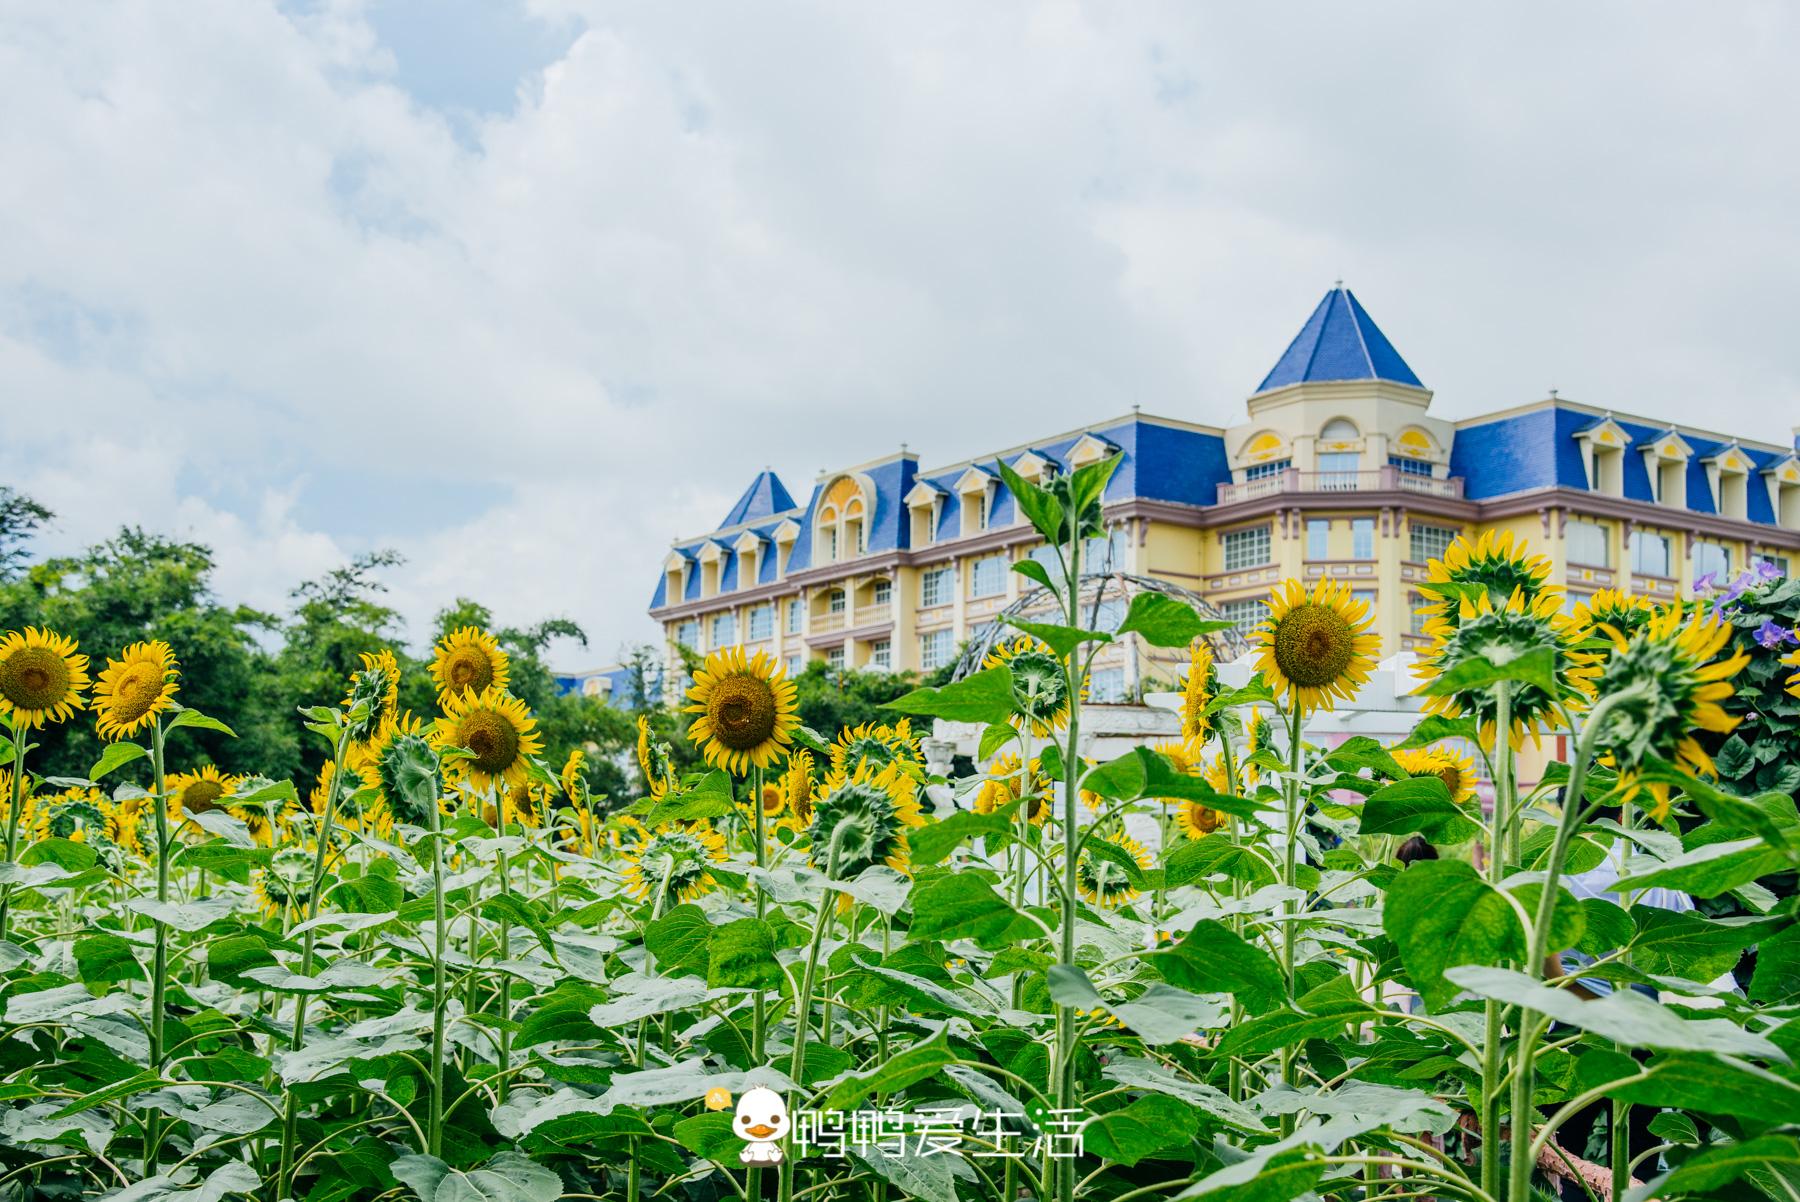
x=1385 y=479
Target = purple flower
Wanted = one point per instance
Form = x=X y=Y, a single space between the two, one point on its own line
x=1772 y=635
x=1766 y=570
x=1704 y=583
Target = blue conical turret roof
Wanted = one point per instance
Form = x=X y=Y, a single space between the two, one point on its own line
x=764 y=497
x=1340 y=341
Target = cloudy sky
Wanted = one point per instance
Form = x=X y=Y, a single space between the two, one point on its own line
x=525 y=288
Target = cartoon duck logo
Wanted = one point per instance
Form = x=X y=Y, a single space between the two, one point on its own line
x=762 y=1119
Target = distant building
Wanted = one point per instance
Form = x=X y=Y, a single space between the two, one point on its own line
x=616 y=684
x=1337 y=470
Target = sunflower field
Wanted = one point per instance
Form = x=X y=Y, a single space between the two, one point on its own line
x=1243 y=964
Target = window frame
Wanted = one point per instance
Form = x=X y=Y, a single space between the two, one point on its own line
x=1253 y=536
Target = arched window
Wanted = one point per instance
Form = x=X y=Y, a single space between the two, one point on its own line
x=1340 y=429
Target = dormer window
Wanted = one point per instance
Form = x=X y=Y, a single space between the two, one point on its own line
x=1603 y=456
x=1783 y=477
x=841 y=523
x=976 y=489
x=924 y=505
x=1728 y=475
x=1666 y=462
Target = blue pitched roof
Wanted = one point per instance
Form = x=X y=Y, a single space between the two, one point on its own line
x=764 y=497
x=1340 y=341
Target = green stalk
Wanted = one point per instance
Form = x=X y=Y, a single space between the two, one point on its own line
x=1492 y=1056
x=505 y=981
x=1530 y=1025
x=1065 y=1018
x=12 y=822
x=1289 y=870
x=759 y=1013
x=159 y=972
x=803 y=1002
x=322 y=837
x=440 y=983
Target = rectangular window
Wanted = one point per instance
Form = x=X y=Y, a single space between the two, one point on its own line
x=1104 y=553
x=937 y=586
x=1430 y=542
x=881 y=655
x=1590 y=544
x=795 y=665
x=1247 y=614
x=1362 y=538
x=1318 y=538
x=1262 y=471
x=834 y=601
x=1410 y=467
x=1337 y=470
x=1649 y=553
x=724 y=630
x=935 y=648
x=1245 y=548
x=1106 y=686
x=762 y=623
x=884 y=591
x=1713 y=558
x=687 y=633
x=1047 y=558
x=834 y=658
x=1421 y=611
x=987 y=577
x=795 y=611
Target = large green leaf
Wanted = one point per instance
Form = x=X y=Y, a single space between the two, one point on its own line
x=1038 y=504
x=1717 y=1167
x=508 y=1177
x=1417 y=805
x=1711 y=869
x=1150 y=1124
x=1625 y=1016
x=1536 y=667
x=1163 y=621
x=1212 y=958
x=1060 y=639
x=930 y=843
x=1685 y=944
x=964 y=906
x=116 y=756
x=741 y=955
x=1142 y=772
x=1160 y=1014
x=1440 y=913
x=895 y=1073
x=983 y=697
x=1200 y=859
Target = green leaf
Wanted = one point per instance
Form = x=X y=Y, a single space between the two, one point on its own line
x=1777 y=976
x=1536 y=667
x=984 y=697
x=1148 y=1074
x=116 y=755
x=1321 y=1014
x=1703 y=1084
x=1435 y=728
x=1421 y=805
x=1624 y=1016
x=711 y=798
x=1678 y=944
x=1717 y=1167
x=1711 y=869
x=1152 y=1123
x=1041 y=509
x=994 y=738
x=710 y=1136
x=1161 y=1014
x=1087 y=485
x=1440 y=913
x=1270 y=1175
x=1035 y=570
x=562 y=1015
x=200 y=721
x=229 y=958
x=1142 y=772
x=105 y=958
x=1060 y=639
x=1359 y=752
x=678 y=940
x=897 y=1072
x=515 y=911
x=1115 y=855
x=1199 y=859
x=931 y=843
x=1605 y=927
x=1163 y=621
x=64 y=853
x=929 y=1177
x=1212 y=958
x=741 y=955
x=964 y=906
x=508 y=1177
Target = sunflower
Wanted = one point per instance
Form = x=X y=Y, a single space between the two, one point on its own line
x=134 y=689
x=374 y=692
x=1259 y=736
x=284 y=890
x=497 y=730
x=1793 y=661
x=468 y=661
x=876 y=743
x=41 y=677
x=1197 y=693
x=1670 y=679
x=197 y=792
x=1316 y=646
x=653 y=760
x=746 y=710
x=860 y=818
x=1494 y=564
x=74 y=814
x=265 y=820
x=523 y=805
x=1196 y=820
x=1504 y=633
x=574 y=783
x=625 y=831
x=401 y=767
x=797 y=792
x=774 y=802
x=681 y=855
x=1040 y=694
x=1003 y=786
x=1105 y=882
x=127 y=825
x=1612 y=610
x=1456 y=771
x=579 y=831
x=356 y=809
x=26 y=801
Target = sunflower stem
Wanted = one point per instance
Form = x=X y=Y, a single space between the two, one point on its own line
x=1065 y=1018
x=1289 y=870
x=803 y=1001
x=12 y=822
x=159 y=972
x=440 y=982
x=1492 y=1055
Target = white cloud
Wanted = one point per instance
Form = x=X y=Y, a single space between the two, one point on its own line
x=241 y=265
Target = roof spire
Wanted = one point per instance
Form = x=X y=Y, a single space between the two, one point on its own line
x=1340 y=341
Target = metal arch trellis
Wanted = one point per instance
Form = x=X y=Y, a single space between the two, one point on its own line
x=1096 y=589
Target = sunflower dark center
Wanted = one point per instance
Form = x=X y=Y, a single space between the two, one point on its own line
x=469 y=669
x=742 y=710
x=200 y=796
x=1452 y=778
x=493 y=740
x=34 y=678
x=1313 y=645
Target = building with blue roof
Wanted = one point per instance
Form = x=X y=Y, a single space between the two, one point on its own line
x=1338 y=470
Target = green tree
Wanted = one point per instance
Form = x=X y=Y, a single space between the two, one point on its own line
x=20 y=519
